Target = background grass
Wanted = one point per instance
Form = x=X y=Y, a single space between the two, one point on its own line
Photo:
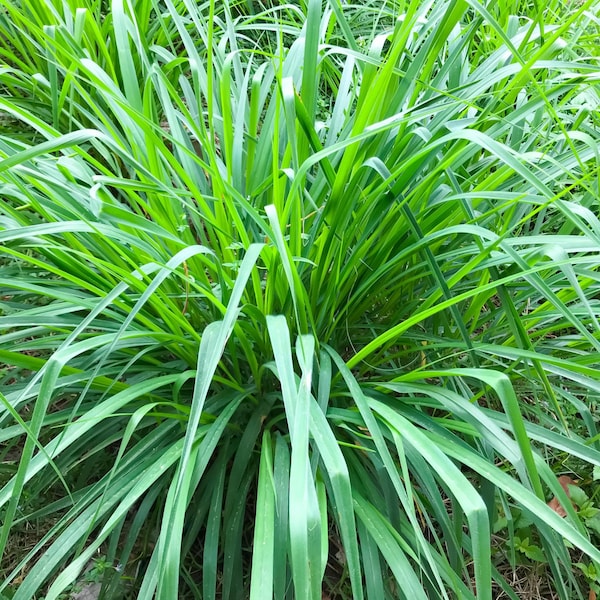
x=298 y=299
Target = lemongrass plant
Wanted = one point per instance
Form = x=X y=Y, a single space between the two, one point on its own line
x=296 y=299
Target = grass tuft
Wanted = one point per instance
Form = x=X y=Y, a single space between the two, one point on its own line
x=299 y=300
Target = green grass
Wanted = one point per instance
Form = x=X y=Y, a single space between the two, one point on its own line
x=296 y=299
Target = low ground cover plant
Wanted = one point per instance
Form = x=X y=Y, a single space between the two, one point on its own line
x=298 y=300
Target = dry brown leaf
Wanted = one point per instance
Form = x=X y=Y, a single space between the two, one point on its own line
x=592 y=595
x=565 y=481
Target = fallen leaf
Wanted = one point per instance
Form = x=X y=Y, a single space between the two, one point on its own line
x=592 y=595
x=565 y=481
